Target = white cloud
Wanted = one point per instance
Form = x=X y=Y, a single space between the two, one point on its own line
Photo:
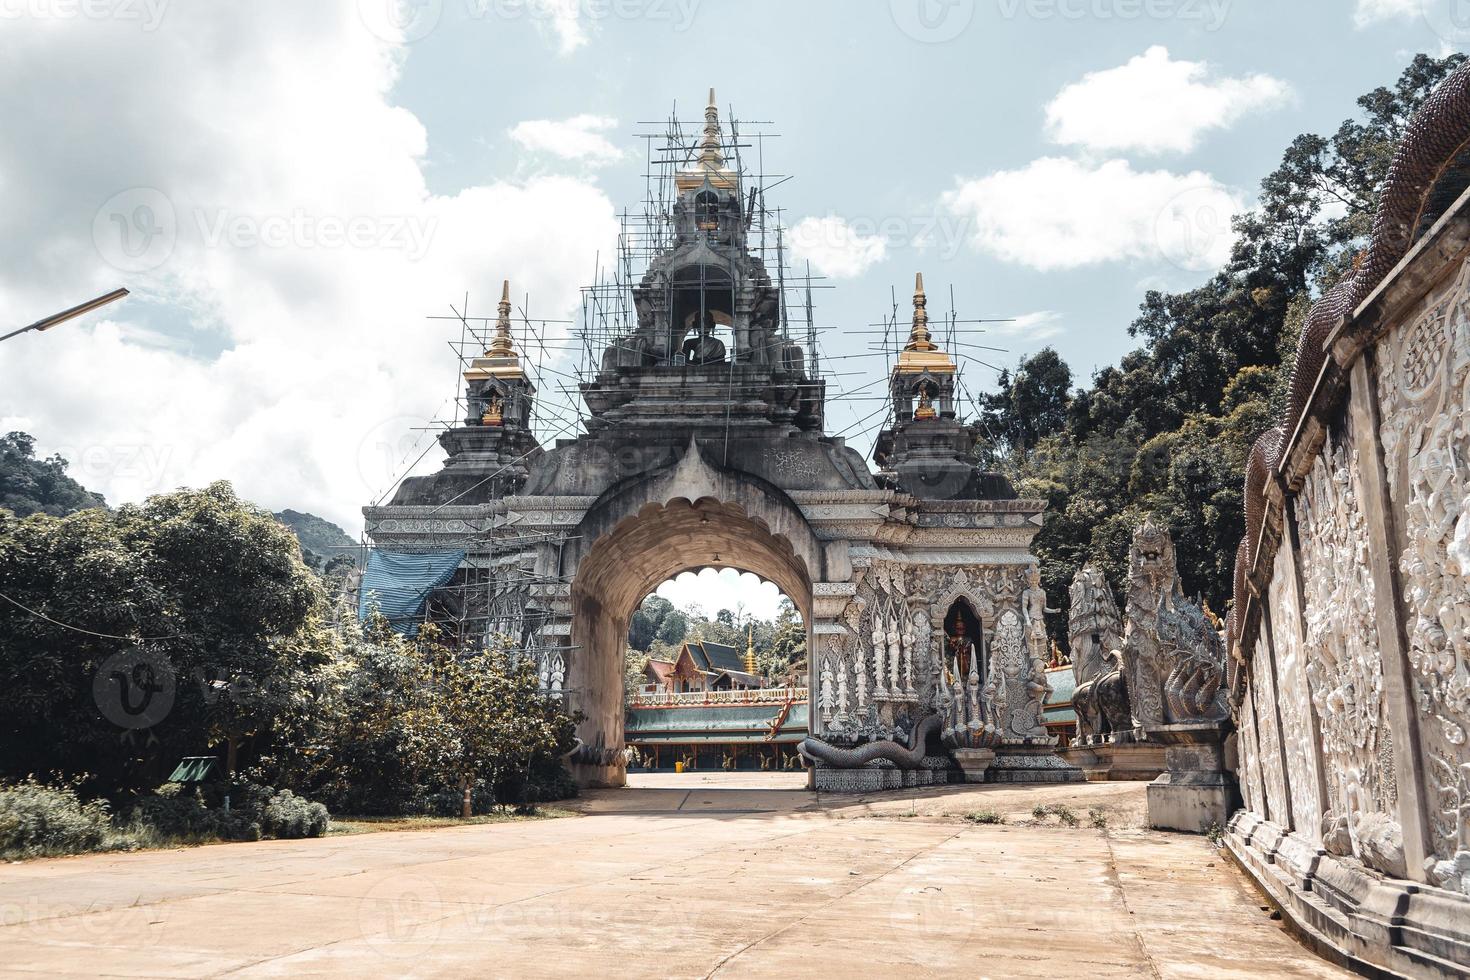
x=577 y=138
x=1040 y=325
x=1057 y=213
x=1154 y=104
x=836 y=247
x=564 y=20
x=1370 y=12
x=291 y=235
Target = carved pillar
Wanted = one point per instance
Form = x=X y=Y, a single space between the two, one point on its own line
x=1392 y=636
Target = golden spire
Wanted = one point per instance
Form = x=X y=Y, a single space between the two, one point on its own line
x=750 y=632
x=501 y=346
x=919 y=333
x=710 y=164
x=921 y=354
x=710 y=156
x=500 y=359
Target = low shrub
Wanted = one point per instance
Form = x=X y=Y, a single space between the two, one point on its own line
x=173 y=813
x=290 y=816
x=985 y=817
x=37 y=820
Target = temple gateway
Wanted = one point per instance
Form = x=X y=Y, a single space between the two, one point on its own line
x=703 y=444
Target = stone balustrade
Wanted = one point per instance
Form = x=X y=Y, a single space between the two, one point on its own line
x=771 y=695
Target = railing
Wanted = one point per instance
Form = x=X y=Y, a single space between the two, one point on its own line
x=765 y=695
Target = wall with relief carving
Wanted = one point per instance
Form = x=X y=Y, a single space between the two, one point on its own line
x=1350 y=627
x=1423 y=387
x=1354 y=721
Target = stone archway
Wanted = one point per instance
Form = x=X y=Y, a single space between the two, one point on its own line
x=622 y=567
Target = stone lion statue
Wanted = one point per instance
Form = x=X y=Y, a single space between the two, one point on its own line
x=1173 y=660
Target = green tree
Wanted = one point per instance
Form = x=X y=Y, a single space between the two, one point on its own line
x=361 y=741
x=131 y=638
x=1030 y=404
x=635 y=665
x=489 y=706
x=787 y=649
x=656 y=619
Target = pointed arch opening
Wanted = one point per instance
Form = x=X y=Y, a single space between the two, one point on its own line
x=620 y=569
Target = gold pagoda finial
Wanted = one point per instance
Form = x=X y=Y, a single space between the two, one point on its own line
x=501 y=346
x=750 y=631
x=921 y=354
x=709 y=165
x=919 y=333
x=500 y=359
x=710 y=156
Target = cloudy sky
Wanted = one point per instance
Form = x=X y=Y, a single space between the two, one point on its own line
x=292 y=190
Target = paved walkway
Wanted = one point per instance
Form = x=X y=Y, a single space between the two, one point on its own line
x=685 y=879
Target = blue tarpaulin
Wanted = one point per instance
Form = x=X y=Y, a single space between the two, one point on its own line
x=398 y=583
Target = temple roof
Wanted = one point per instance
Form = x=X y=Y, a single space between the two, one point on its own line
x=715 y=657
x=716 y=723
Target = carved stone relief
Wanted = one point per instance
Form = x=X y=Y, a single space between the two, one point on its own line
x=890 y=669
x=1344 y=660
x=1424 y=391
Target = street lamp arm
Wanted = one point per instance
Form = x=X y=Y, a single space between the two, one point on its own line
x=47 y=323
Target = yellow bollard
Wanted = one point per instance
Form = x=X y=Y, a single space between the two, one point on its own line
x=678 y=767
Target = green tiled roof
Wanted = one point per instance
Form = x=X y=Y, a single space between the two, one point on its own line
x=1063 y=683
x=713 y=723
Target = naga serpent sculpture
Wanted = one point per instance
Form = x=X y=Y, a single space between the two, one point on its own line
x=904 y=757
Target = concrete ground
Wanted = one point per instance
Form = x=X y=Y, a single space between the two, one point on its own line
x=686 y=876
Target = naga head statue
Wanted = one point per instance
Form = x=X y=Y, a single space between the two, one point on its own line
x=1151 y=564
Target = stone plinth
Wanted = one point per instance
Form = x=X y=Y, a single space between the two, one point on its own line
x=1117 y=761
x=1194 y=792
x=974 y=763
x=878 y=776
x=1032 y=763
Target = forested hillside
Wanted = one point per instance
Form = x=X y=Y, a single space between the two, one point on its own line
x=38 y=486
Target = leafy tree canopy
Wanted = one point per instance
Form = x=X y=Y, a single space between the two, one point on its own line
x=194 y=598
x=1168 y=429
